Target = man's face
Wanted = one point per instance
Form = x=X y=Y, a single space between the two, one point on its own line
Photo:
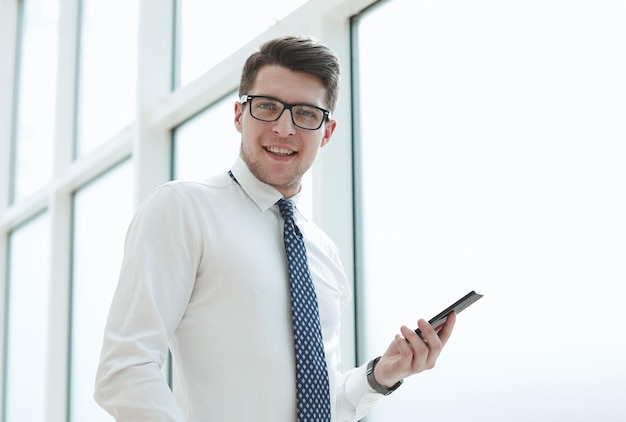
x=279 y=153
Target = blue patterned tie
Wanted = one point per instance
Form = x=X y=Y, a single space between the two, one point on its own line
x=313 y=395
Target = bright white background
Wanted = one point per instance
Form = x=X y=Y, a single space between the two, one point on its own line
x=494 y=158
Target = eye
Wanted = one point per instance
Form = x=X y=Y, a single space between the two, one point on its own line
x=266 y=104
x=308 y=112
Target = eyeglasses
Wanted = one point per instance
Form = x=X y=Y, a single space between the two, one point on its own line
x=268 y=109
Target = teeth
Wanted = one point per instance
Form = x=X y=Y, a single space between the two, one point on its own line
x=279 y=151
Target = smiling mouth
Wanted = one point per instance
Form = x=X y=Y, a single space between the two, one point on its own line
x=279 y=151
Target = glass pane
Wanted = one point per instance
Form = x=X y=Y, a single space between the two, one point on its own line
x=36 y=96
x=102 y=212
x=107 y=74
x=201 y=41
x=499 y=152
x=208 y=143
x=27 y=331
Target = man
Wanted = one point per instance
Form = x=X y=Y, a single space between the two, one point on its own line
x=206 y=273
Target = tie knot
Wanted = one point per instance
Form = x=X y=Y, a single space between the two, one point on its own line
x=286 y=208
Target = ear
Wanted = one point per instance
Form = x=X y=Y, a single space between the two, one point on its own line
x=238 y=116
x=329 y=128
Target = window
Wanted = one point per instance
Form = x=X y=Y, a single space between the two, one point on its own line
x=211 y=31
x=102 y=213
x=107 y=76
x=208 y=143
x=491 y=159
x=27 y=315
x=78 y=159
x=36 y=96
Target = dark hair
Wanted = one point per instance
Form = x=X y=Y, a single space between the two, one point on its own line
x=299 y=54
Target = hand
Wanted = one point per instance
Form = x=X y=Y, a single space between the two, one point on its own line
x=410 y=354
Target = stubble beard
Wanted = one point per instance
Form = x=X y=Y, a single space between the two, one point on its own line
x=260 y=172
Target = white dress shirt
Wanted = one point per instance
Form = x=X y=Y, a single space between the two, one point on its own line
x=204 y=272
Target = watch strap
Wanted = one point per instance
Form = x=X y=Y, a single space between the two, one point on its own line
x=374 y=384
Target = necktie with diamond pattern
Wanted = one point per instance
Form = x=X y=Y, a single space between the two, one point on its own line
x=313 y=395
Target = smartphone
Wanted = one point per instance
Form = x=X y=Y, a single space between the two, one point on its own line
x=457 y=306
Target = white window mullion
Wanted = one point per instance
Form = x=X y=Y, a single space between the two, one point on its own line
x=57 y=386
x=8 y=37
x=8 y=42
x=151 y=148
x=60 y=209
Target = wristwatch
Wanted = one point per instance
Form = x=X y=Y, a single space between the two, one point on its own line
x=374 y=384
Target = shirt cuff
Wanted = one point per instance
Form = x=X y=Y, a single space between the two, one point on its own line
x=358 y=387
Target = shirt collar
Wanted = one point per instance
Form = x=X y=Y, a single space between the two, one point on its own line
x=263 y=195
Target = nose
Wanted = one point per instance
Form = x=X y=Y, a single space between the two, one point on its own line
x=284 y=125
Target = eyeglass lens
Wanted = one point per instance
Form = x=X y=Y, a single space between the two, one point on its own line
x=269 y=110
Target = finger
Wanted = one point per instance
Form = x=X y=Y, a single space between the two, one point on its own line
x=446 y=329
x=405 y=346
x=432 y=340
x=412 y=337
x=418 y=348
x=426 y=329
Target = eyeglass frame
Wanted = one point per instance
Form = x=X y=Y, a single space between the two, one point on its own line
x=246 y=98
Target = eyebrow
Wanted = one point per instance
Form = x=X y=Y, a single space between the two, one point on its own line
x=286 y=102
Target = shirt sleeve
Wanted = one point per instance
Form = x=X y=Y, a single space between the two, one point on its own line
x=355 y=397
x=161 y=256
